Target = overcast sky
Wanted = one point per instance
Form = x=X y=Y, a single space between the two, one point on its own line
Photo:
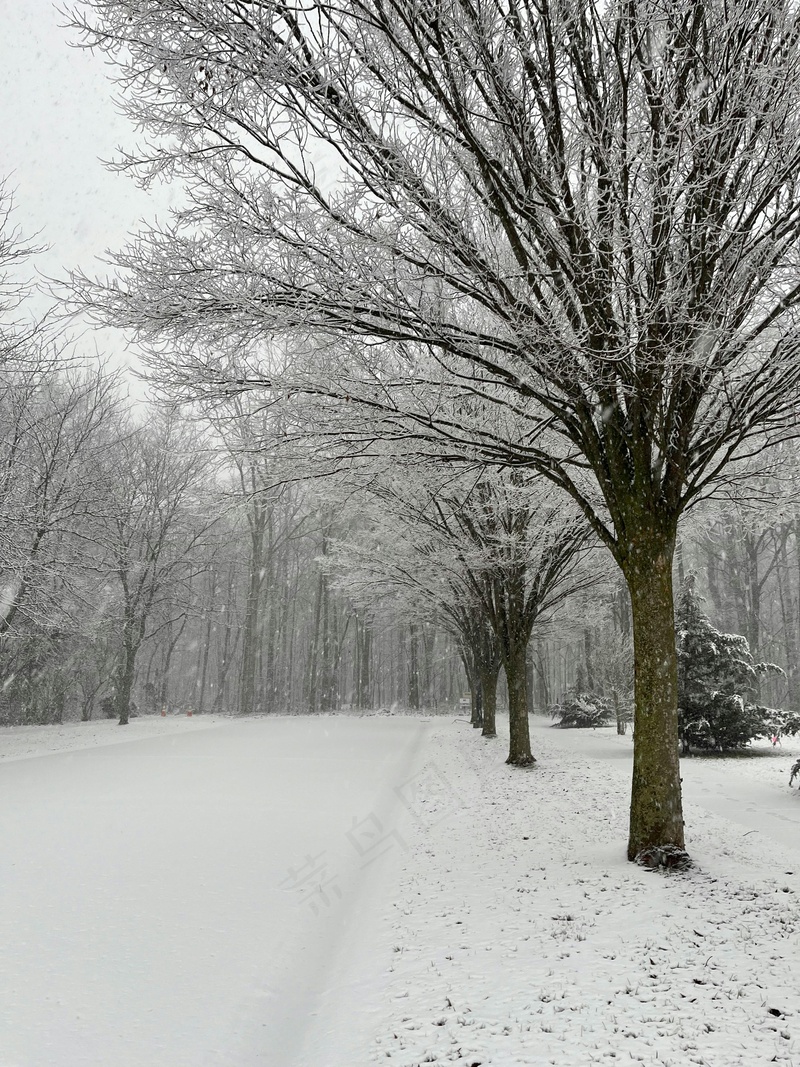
x=57 y=122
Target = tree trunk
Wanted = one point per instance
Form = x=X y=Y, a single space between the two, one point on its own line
x=589 y=657
x=428 y=649
x=413 y=667
x=125 y=683
x=519 y=751
x=487 y=668
x=328 y=690
x=364 y=640
x=754 y=598
x=250 y=627
x=470 y=658
x=788 y=614
x=490 y=669
x=656 y=827
x=622 y=608
x=621 y=724
x=476 y=716
x=313 y=666
x=203 y=665
x=540 y=679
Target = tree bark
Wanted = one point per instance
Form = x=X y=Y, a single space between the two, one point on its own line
x=589 y=658
x=656 y=810
x=621 y=724
x=487 y=668
x=490 y=669
x=519 y=749
x=125 y=676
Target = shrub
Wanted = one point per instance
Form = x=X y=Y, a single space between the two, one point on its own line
x=581 y=710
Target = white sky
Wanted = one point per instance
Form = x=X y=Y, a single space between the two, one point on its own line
x=57 y=122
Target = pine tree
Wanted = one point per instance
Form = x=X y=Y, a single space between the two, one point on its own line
x=716 y=681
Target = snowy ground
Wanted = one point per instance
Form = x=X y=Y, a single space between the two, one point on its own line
x=523 y=936
x=198 y=897
x=341 y=892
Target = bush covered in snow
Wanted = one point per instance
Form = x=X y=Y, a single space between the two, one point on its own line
x=716 y=680
x=582 y=710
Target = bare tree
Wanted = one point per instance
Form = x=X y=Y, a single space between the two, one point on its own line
x=585 y=211
x=155 y=524
x=54 y=428
x=482 y=556
x=528 y=550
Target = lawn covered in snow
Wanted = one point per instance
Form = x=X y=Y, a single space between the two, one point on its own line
x=524 y=936
x=345 y=891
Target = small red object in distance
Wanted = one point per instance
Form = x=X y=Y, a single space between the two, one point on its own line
x=189 y=713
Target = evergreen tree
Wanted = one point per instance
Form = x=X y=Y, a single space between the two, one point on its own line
x=716 y=681
x=582 y=710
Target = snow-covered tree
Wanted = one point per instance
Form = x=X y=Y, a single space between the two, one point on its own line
x=588 y=212
x=155 y=524
x=485 y=554
x=582 y=710
x=716 y=680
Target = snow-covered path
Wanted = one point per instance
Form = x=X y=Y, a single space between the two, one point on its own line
x=160 y=900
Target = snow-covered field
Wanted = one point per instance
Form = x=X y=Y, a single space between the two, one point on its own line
x=339 y=892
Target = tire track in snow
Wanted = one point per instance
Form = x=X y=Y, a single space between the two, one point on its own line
x=323 y=1020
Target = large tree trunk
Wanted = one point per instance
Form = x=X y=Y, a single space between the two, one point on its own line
x=656 y=827
x=470 y=658
x=519 y=749
x=487 y=662
x=125 y=676
x=490 y=669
